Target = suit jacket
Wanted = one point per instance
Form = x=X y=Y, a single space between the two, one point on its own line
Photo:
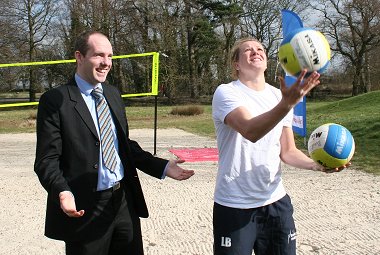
x=67 y=158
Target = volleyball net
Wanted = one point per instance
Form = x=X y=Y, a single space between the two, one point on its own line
x=146 y=64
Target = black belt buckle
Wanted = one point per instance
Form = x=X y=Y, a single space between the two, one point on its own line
x=116 y=186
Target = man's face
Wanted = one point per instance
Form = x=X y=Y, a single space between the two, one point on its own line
x=95 y=65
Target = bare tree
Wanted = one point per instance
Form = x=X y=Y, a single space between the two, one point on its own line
x=373 y=70
x=108 y=17
x=9 y=50
x=31 y=20
x=262 y=20
x=194 y=38
x=354 y=27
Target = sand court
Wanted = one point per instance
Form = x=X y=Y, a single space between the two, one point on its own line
x=335 y=213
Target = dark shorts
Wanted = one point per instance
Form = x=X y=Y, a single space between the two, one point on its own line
x=267 y=230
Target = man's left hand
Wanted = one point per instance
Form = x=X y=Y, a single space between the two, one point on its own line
x=176 y=172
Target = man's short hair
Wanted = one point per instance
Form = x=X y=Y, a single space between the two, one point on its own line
x=81 y=44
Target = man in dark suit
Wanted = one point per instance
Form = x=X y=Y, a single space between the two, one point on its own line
x=92 y=206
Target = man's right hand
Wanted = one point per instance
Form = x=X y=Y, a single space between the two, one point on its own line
x=67 y=202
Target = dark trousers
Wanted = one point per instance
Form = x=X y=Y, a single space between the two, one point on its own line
x=123 y=236
x=267 y=230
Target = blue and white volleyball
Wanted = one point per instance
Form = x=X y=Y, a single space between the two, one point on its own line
x=304 y=48
x=331 y=145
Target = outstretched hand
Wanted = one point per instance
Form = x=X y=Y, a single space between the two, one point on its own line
x=176 y=172
x=337 y=169
x=321 y=168
x=293 y=94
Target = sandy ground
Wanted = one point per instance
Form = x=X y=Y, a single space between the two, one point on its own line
x=335 y=213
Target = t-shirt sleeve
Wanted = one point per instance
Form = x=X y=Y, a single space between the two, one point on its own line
x=225 y=100
x=288 y=120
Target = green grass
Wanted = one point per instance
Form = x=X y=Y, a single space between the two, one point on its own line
x=360 y=114
x=24 y=94
x=17 y=121
x=142 y=117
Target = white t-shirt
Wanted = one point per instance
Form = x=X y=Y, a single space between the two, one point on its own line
x=249 y=174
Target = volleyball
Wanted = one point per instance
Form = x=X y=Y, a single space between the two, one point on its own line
x=331 y=145
x=304 y=48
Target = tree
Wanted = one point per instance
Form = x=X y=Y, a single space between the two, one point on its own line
x=262 y=20
x=354 y=27
x=9 y=50
x=31 y=19
x=201 y=45
x=225 y=17
x=169 y=37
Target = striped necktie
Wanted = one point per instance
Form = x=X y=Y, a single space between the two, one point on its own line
x=105 y=129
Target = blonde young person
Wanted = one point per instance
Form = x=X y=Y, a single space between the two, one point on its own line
x=253 y=123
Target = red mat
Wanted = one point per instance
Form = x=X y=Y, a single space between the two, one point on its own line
x=196 y=154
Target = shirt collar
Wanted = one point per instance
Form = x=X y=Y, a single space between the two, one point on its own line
x=84 y=86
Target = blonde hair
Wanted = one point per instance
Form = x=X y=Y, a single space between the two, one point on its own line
x=235 y=52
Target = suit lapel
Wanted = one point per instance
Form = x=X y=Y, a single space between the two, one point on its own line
x=81 y=107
